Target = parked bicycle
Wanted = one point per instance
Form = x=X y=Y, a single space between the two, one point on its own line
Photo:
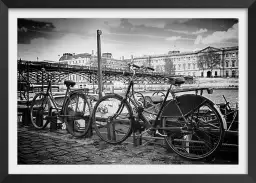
x=191 y=124
x=74 y=112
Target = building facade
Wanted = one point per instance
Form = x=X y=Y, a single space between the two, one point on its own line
x=175 y=62
x=91 y=60
x=186 y=63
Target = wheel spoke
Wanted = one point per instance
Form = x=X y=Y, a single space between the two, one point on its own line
x=111 y=116
x=205 y=127
x=77 y=114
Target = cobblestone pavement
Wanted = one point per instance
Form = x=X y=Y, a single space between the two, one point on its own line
x=45 y=147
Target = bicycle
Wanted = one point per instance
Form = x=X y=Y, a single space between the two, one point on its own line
x=74 y=111
x=191 y=125
x=231 y=116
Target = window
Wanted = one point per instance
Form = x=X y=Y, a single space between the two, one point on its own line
x=226 y=73
x=194 y=66
x=233 y=73
x=233 y=63
x=179 y=66
x=189 y=66
x=184 y=66
x=216 y=73
x=226 y=54
x=194 y=74
x=226 y=63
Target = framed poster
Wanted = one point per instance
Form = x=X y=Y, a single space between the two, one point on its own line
x=128 y=14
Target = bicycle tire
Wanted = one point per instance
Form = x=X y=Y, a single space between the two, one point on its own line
x=39 y=110
x=115 y=126
x=77 y=111
x=157 y=94
x=205 y=136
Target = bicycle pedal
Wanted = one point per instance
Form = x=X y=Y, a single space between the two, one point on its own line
x=158 y=133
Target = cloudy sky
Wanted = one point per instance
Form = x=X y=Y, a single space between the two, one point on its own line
x=48 y=38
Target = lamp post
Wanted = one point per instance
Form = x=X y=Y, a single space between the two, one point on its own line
x=99 y=32
x=59 y=68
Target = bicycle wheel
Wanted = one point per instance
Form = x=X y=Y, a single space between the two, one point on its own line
x=112 y=119
x=39 y=110
x=77 y=112
x=159 y=93
x=199 y=137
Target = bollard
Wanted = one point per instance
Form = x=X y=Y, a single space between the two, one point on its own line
x=53 y=121
x=137 y=138
x=89 y=133
x=26 y=120
x=111 y=131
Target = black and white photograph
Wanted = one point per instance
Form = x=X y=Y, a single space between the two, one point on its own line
x=128 y=91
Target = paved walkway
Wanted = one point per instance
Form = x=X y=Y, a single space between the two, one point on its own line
x=45 y=147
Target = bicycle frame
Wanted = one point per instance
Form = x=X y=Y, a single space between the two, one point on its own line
x=141 y=109
x=66 y=97
x=49 y=94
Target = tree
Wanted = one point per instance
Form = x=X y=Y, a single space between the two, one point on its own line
x=209 y=60
x=168 y=67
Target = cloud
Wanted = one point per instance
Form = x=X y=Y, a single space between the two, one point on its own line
x=196 y=49
x=199 y=39
x=125 y=24
x=219 y=36
x=153 y=23
x=156 y=22
x=199 y=31
x=178 y=31
x=173 y=38
x=188 y=33
x=32 y=29
x=138 y=35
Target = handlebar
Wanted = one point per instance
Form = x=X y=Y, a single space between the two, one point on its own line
x=150 y=68
x=136 y=66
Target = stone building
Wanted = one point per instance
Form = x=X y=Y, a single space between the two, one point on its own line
x=186 y=63
x=175 y=62
x=91 y=60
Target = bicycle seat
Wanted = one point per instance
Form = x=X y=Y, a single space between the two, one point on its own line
x=176 y=80
x=69 y=83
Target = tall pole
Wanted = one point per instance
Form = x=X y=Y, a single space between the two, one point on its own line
x=59 y=68
x=99 y=63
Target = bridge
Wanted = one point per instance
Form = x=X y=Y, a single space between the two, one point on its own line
x=31 y=71
x=30 y=74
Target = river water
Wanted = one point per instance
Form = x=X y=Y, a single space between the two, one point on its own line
x=231 y=95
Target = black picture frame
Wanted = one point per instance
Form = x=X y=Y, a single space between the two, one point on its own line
x=6 y=4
